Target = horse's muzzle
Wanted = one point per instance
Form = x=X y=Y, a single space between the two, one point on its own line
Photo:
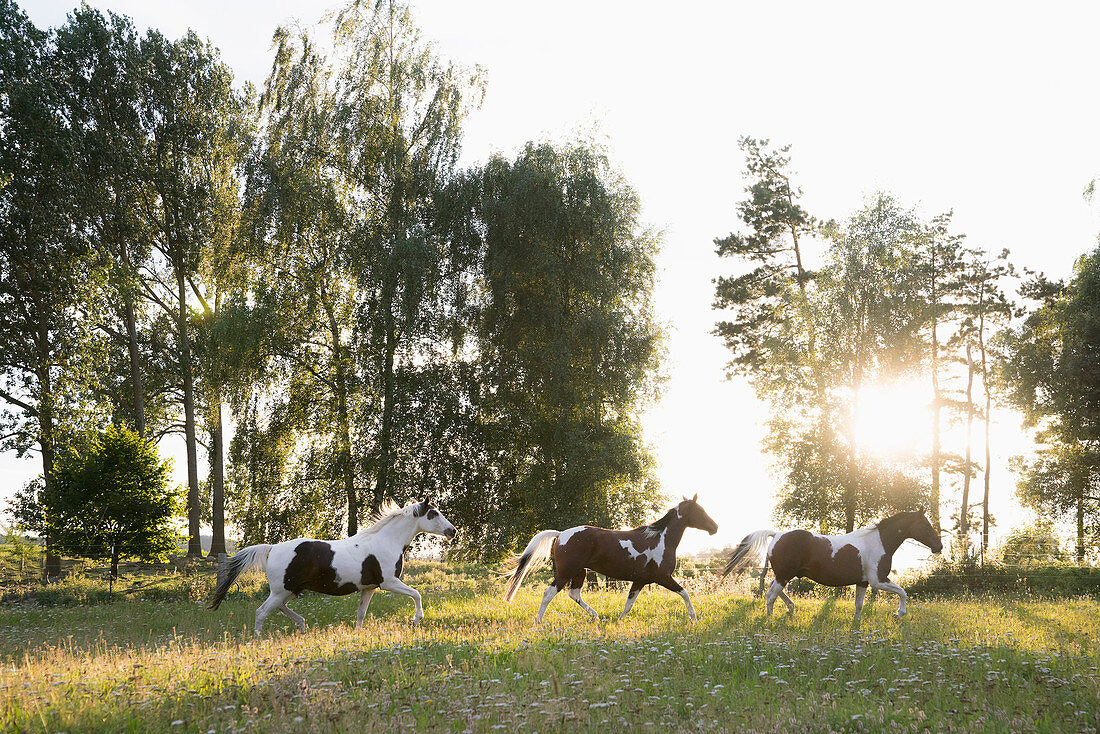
x=450 y=533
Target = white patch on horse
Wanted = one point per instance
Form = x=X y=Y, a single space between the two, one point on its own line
x=654 y=555
x=348 y=564
x=567 y=534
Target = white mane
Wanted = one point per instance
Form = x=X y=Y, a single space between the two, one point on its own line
x=387 y=513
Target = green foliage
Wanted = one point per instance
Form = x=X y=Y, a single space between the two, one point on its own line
x=1056 y=582
x=1033 y=544
x=1049 y=365
x=568 y=343
x=110 y=499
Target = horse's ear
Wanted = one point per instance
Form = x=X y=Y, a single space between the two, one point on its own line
x=695 y=498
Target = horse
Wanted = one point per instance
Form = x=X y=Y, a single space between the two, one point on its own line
x=369 y=560
x=862 y=557
x=644 y=555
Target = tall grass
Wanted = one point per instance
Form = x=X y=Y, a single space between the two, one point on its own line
x=476 y=664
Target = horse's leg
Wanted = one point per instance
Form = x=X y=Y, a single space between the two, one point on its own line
x=861 y=589
x=274 y=600
x=890 y=586
x=298 y=619
x=364 y=602
x=551 y=591
x=775 y=591
x=575 y=593
x=635 y=589
x=398 y=586
x=670 y=584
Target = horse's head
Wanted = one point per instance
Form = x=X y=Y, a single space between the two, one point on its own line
x=432 y=521
x=695 y=516
x=921 y=530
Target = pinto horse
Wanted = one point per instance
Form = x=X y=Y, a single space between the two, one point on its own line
x=645 y=555
x=862 y=557
x=369 y=560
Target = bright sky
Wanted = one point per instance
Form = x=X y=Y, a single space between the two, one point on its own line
x=984 y=108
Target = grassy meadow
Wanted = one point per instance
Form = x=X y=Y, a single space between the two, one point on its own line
x=156 y=660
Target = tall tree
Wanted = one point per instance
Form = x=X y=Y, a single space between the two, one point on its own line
x=401 y=114
x=870 y=312
x=983 y=305
x=772 y=335
x=44 y=265
x=188 y=102
x=1049 y=366
x=98 y=59
x=300 y=216
x=938 y=253
x=567 y=339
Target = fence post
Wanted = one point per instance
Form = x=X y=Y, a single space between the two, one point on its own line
x=221 y=568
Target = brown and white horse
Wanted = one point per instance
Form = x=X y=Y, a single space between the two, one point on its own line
x=369 y=560
x=862 y=557
x=645 y=555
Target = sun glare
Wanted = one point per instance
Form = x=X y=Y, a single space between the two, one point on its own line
x=892 y=420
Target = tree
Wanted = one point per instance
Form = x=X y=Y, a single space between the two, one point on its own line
x=45 y=269
x=938 y=258
x=192 y=118
x=401 y=110
x=299 y=219
x=869 y=312
x=1049 y=367
x=772 y=337
x=983 y=305
x=568 y=346
x=110 y=500
x=98 y=59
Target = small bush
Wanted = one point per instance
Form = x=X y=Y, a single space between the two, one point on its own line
x=1054 y=580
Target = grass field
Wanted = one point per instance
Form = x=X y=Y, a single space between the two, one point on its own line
x=476 y=664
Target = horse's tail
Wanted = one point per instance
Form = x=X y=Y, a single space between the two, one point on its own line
x=242 y=560
x=533 y=556
x=749 y=551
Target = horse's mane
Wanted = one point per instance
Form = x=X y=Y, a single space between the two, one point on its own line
x=659 y=524
x=388 y=512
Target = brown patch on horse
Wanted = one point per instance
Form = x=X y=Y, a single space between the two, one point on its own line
x=311 y=570
x=885 y=565
x=371 y=574
x=800 y=553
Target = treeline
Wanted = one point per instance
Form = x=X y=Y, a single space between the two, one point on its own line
x=821 y=312
x=301 y=282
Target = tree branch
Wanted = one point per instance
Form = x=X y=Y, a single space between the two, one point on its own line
x=17 y=402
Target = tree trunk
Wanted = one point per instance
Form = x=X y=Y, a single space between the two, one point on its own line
x=194 y=543
x=385 y=439
x=988 y=420
x=134 y=351
x=345 y=468
x=1081 y=526
x=46 y=439
x=217 y=477
x=937 y=409
x=114 y=564
x=964 y=508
